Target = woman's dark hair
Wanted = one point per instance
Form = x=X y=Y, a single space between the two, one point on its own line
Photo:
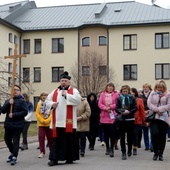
x=134 y=90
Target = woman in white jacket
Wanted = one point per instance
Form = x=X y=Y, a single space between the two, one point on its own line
x=159 y=102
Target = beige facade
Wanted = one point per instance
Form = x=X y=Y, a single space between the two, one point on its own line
x=9 y=36
x=146 y=56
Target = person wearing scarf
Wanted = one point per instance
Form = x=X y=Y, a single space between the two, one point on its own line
x=107 y=105
x=126 y=106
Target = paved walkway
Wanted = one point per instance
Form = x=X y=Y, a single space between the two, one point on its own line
x=93 y=160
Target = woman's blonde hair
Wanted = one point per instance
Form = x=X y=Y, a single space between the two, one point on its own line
x=44 y=93
x=160 y=83
x=147 y=85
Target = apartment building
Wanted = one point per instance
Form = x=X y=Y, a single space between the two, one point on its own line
x=132 y=38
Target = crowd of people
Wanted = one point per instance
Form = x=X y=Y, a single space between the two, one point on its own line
x=67 y=119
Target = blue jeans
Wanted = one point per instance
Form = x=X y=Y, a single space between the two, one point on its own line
x=168 y=132
x=146 y=136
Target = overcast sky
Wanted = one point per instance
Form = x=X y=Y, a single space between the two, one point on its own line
x=42 y=3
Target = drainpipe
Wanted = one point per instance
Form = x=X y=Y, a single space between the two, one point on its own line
x=78 y=60
x=20 y=59
x=107 y=53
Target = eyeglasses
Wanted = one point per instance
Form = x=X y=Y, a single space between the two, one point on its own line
x=16 y=89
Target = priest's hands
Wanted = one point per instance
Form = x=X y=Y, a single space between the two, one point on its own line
x=55 y=104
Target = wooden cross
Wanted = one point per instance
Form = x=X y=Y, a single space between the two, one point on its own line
x=14 y=57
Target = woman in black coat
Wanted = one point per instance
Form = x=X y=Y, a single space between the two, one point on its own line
x=94 y=120
x=126 y=106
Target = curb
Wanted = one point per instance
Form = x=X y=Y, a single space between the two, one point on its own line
x=32 y=139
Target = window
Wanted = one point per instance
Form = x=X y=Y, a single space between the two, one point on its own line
x=85 y=70
x=26 y=46
x=162 y=71
x=10 y=37
x=37 y=46
x=36 y=100
x=9 y=81
x=102 y=40
x=10 y=67
x=9 y=51
x=37 y=74
x=102 y=70
x=57 y=45
x=130 y=72
x=56 y=72
x=15 y=39
x=130 y=42
x=161 y=40
x=86 y=41
x=26 y=74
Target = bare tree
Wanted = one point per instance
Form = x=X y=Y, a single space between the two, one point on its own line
x=91 y=73
x=5 y=81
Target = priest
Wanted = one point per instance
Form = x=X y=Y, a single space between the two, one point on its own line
x=63 y=101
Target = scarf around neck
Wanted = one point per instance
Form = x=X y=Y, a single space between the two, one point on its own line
x=125 y=100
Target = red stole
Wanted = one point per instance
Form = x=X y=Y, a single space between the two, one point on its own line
x=69 y=116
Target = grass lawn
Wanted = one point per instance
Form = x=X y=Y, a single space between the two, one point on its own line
x=32 y=131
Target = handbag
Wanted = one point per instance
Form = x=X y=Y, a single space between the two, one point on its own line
x=150 y=117
x=119 y=118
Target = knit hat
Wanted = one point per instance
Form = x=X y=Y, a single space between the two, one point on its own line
x=65 y=76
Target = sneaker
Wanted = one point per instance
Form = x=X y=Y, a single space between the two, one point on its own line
x=41 y=155
x=116 y=147
x=102 y=144
x=107 y=151
x=111 y=152
x=82 y=154
x=23 y=146
x=123 y=156
x=134 y=151
x=9 y=159
x=14 y=160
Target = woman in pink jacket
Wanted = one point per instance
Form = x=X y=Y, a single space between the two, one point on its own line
x=159 y=102
x=107 y=104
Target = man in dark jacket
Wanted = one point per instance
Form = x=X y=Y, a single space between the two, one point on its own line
x=14 y=122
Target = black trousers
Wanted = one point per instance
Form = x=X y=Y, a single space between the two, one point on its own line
x=126 y=127
x=158 y=130
x=25 y=132
x=109 y=134
x=12 y=138
x=82 y=140
x=137 y=129
x=91 y=138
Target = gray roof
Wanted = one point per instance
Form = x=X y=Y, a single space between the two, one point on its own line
x=75 y=16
